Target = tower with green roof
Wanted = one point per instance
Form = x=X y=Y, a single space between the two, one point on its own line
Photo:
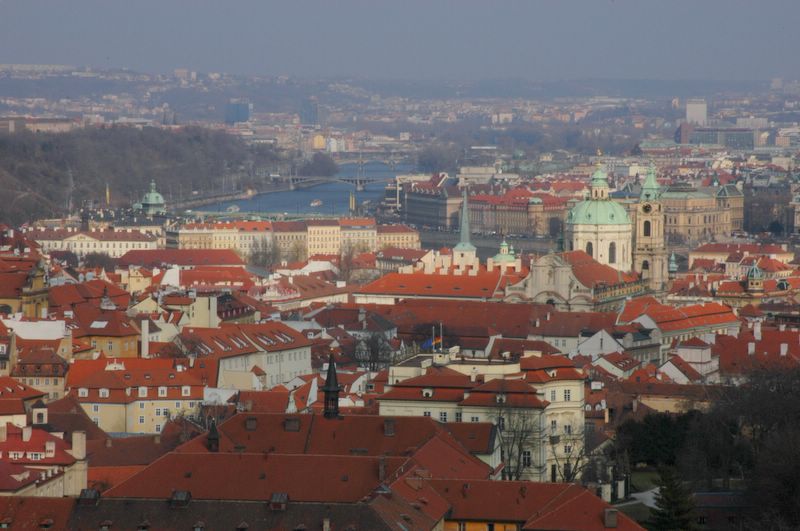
x=600 y=226
x=152 y=202
x=649 y=246
x=464 y=253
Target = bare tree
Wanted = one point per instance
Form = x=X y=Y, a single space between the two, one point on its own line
x=571 y=454
x=520 y=431
x=375 y=352
x=265 y=253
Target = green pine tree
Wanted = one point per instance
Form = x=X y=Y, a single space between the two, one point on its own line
x=674 y=505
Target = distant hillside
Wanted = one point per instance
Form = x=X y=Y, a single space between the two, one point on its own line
x=37 y=171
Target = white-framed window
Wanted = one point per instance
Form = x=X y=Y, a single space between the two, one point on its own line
x=141 y=405
x=526 y=458
x=104 y=393
x=142 y=392
x=158 y=412
x=443 y=416
x=426 y=413
x=83 y=392
x=568 y=429
x=552 y=395
x=162 y=391
x=158 y=428
x=474 y=419
x=186 y=390
x=567 y=449
x=567 y=395
x=553 y=427
x=141 y=420
x=458 y=416
x=178 y=406
x=96 y=408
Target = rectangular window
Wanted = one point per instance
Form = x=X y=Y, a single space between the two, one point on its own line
x=443 y=416
x=567 y=395
x=567 y=449
x=95 y=408
x=552 y=395
x=141 y=420
x=83 y=392
x=426 y=413
x=186 y=390
x=158 y=428
x=526 y=458
x=141 y=405
x=474 y=419
x=162 y=392
x=568 y=429
x=501 y=423
x=458 y=416
x=553 y=427
x=178 y=406
x=158 y=412
x=142 y=392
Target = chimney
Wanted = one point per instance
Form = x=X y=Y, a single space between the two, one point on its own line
x=26 y=433
x=782 y=327
x=751 y=348
x=326 y=524
x=157 y=438
x=382 y=468
x=784 y=349
x=79 y=445
x=610 y=518
x=757 y=331
x=145 y=338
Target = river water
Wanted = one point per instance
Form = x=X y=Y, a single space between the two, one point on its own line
x=335 y=196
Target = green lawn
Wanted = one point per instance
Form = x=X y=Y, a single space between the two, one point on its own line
x=637 y=511
x=642 y=480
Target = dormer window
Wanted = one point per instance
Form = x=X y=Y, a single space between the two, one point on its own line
x=83 y=392
x=501 y=398
x=427 y=392
x=104 y=393
x=142 y=392
x=186 y=390
x=162 y=392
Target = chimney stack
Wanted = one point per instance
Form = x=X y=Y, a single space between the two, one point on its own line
x=26 y=433
x=757 y=331
x=784 y=349
x=751 y=348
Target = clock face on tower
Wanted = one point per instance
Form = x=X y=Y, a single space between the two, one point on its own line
x=647 y=208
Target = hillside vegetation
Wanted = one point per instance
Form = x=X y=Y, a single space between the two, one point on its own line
x=39 y=172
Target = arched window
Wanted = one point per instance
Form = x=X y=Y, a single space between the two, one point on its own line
x=589 y=249
x=647 y=228
x=645 y=266
x=612 y=253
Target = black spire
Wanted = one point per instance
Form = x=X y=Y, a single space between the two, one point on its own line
x=212 y=439
x=331 y=390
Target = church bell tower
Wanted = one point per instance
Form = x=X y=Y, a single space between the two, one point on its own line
x=650 y=251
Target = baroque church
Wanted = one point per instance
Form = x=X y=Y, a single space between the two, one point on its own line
x=603 y=229
x=606 y=257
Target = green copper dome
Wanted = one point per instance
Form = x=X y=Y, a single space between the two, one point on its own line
x=506 y=254
x=598 y=209
x=598 y=212
x=152 y=197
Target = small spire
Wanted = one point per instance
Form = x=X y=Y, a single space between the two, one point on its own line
x=331 y=390
x=464 y=243
x=212 y=439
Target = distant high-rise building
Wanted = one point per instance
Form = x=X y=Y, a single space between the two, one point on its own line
x=237 y=111
x=697 y=112
x=309 y=112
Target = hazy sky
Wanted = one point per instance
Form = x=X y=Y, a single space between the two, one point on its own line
x=454 y=39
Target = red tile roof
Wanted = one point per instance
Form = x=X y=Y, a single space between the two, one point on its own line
x=180 y=257
x=247 y=476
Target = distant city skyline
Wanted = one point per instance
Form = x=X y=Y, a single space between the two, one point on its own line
x=413 y=39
